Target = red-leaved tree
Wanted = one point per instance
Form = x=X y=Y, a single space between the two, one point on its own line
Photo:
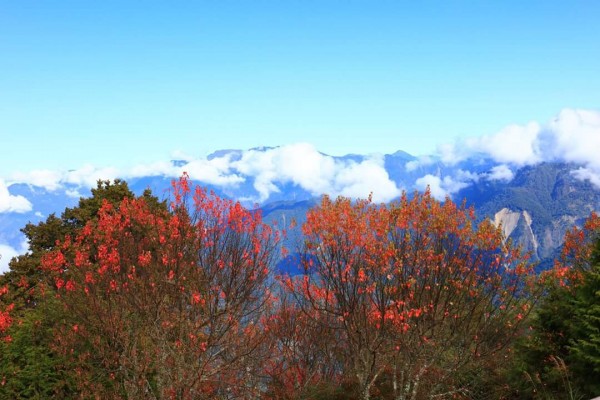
x=168 y=303
x=304 y=355
x=576 y=254
x=6 y=319
x=416 y=291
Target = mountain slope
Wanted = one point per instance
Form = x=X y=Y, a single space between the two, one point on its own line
x=548 y=200
x=536 y=204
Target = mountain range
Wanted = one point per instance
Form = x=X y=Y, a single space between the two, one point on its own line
x=535 y=204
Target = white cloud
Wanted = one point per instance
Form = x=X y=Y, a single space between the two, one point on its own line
x=160 y=168
x=452 y=153
x=586 y=174
x=216 y=171
x=358 y=180
x=88 y=175
x=442 y=187
x=49 y=180
x=514 y=144
x=422 y=161
x=572 y=137
x=8 y=252
x=300 y=164
x=303 y=165
x=462 y=176
x=181 y=155
x=261 y=166
x=435 y=186
x=213 y=172
x=73 y=193
x=10 y=203
x=500 y=173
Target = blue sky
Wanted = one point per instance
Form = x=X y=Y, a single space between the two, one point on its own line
x=119 y=83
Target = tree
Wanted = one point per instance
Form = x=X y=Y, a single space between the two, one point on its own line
x=304 y=356
x=6 y=319
x=31 y=363
x=561 y=355
x=24 y=275
x=167 y=302
x=30 y=366
x=585 y=343
x=470 y=292
x=416 y=290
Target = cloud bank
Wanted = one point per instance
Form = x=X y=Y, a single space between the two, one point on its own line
x=302 y=165
x=86 y=176
x=7 y=253
x=500 y=173
x=10 y=203
x=266 y=169
x=573 y=136
x=448 y=185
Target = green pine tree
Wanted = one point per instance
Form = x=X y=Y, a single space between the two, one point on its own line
x=30 y=365
x=560 y=357
x=585 y=341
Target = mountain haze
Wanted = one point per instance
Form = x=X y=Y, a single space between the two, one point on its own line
x=535 y=204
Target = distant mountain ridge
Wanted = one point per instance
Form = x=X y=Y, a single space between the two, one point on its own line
x=535 y=204
x=542 y=202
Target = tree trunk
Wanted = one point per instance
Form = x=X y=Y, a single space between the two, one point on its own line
x=365 y=386
x=395 y=382
x=366 y=393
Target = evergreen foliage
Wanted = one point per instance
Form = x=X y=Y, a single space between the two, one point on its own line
x=585 y=334
x=560 y=357
x=30 y=365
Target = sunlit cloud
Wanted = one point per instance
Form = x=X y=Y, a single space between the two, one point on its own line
x=573 y=136
x=7 y=252
x=11 y=203
x=500 y=173
x=442 y=187
x=303 y=165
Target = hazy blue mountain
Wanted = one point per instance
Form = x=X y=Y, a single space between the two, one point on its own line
x=535 y=204
x=548 y=195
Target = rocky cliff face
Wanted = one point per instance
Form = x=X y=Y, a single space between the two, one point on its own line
x=537 y=207
x=516 y=225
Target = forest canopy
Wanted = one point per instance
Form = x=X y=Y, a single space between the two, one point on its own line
x=132 y=297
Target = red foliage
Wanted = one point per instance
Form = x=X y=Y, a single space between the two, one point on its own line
x=169 y=300
x=6 y=319
x=303 y=354
x=576 y=252
x=415 y=285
